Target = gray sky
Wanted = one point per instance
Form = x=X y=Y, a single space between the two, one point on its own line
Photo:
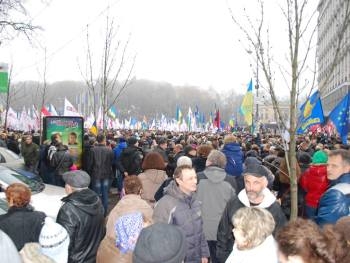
x=182 y=42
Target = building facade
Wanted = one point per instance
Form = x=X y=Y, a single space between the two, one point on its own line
x=331 y=21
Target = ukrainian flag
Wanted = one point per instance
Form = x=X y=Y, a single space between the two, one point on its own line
x=246 y=108
x=178 y=116
x=94 y=129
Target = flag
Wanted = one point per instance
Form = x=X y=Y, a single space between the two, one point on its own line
x=69 y=109
x=247 y=105
x=45 y=112
x=4 y=78
x=217 y=122
x=52 y=110
x=94 y=129
x=311 y=113
x=340 y=117
x=112 y=112
x=178 y=116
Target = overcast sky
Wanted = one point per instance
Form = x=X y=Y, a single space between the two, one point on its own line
x=182 y=42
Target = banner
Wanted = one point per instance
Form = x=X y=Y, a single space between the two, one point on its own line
x=4 y=78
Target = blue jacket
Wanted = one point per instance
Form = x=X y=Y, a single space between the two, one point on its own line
x=118 y=150
x=234 y=156
x=335 y=202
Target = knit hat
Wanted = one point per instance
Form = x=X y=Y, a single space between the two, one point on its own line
x=54 y=241
x=256 y=170
x=160 y=243
x=128 y=228
x=320 y=157
x=77 y=179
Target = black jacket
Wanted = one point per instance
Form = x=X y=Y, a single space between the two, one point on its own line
x=101 y=161
x=22 y=225
x=61 y=160
x=82 y=216
x=225 y=238
x=131 y=160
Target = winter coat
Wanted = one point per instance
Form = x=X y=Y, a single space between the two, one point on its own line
x=118 y=151
x=107 y=251
x=8 y=250
x=234 y=156
x=184 y=211
x=314 y=182
x=131 y=160
x=151 y=180
x=101 y=162
x=198 y=163
x=266 y=252
x=61 y=160
x=30 y=153
x=335 y=202
x=162 y=152
x=225 y=239
x=82 y=215
x=22 y=225
x=214 y=192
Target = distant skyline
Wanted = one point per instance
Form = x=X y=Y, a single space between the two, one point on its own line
x=183 y=42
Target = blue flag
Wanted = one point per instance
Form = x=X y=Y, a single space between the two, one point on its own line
x=340 y=117
x=311 y=113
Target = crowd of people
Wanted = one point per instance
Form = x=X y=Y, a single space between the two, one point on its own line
x=183 y=197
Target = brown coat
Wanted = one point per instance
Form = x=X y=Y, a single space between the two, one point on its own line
x=107 y=251
x=151 y=180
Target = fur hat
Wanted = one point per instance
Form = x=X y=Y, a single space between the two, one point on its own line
x=160 y=243
x=54 y=241
x=320 y=157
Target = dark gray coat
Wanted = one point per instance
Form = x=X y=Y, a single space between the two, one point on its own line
x=101 y=162
x=177 y=208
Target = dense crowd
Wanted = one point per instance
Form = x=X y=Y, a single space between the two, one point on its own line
x=183 y=197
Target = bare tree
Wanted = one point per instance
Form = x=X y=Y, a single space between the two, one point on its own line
x=301 y=43
x=105 y=87
x=14 y=20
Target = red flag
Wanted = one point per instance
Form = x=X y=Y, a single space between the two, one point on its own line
x=45 y=112
x=217 y=119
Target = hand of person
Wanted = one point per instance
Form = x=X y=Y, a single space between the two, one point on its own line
x=204 y=260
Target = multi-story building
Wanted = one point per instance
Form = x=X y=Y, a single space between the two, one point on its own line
x=331 y=21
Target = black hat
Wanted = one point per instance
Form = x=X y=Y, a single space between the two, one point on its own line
x=160 y=243
x=256 y=170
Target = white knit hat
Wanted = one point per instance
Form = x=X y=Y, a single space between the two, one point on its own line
x=54 y=241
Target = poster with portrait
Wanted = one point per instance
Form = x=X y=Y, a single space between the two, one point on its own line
x=71 y=130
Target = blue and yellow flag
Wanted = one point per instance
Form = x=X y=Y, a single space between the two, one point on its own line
x=311 y=113
x=178 y=116
x=246 y=108
x=340 y=117
x=93 y=130
x=112 y=112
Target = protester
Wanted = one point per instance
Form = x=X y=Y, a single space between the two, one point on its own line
x=256 y=194
x=334 y=203
x=82 y=215
x=131 y=158
x=253 y=228
x=30 y=153
x=21 y=223
x=179 y=206
x=215 y=189
x=152 y=177
x=61 y=161
x=8 y=250
x=101 y=169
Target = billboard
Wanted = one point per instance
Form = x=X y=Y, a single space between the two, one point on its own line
x=71 y=130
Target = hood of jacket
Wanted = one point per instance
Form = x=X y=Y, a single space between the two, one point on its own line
x=232 y=147
x=215 y=174
x=268 y=200
x=86 y=200
x=174 y=191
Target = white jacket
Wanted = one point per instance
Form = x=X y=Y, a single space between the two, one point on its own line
x=266 y=252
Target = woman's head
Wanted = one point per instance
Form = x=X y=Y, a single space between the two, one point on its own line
x=132 y=185
x=18 y=195
x=153 y=160
x=303 y=241
x=252 y=225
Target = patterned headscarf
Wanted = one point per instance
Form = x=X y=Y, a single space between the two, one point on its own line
x=128 y=228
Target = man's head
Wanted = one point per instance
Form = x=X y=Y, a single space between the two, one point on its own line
x=101 y=138
x=29 y=139
x=72 y=138
x=76 y=180
x=162 y=143
x=216 y=158
x=338 y=163
x=255 y=181
x=186 y=178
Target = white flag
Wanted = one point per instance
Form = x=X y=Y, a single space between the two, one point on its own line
x=69 y=109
